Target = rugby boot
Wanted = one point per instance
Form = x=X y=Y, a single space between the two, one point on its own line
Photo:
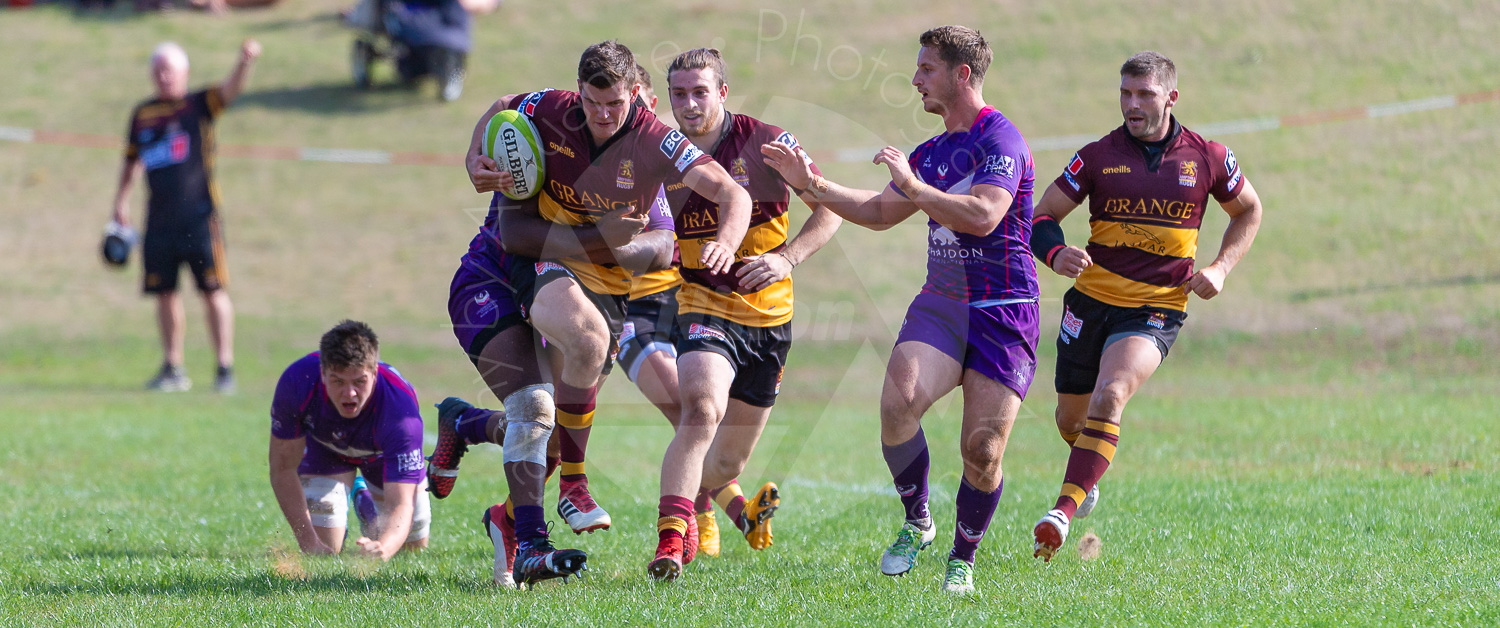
x=442 y=465
x=538 y=561
x=690 y=542
x=1050 y=533
x=757 y=515
x=960 y=577
x=1089 y=501
x=901 y=556
x=170 y=379
x=708 y=533
x=577 y=507
x=668 y=562
x=224 y=383
x=501 y=528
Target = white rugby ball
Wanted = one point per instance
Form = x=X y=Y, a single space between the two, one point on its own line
x=511 y=139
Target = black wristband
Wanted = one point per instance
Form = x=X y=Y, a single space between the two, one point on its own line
x=1046 y=238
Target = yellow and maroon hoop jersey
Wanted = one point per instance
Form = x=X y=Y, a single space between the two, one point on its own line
x=586 y=181
x=174 y=141
x=1144 y=220
x=697 y=220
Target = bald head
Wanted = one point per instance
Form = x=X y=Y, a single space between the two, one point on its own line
x=169 y=70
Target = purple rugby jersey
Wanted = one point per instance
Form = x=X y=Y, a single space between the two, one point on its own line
x=980 y=269
x=388 y=430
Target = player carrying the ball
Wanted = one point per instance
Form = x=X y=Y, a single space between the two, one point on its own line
x=1148 y=184
x=733 y=329
x=974 y=324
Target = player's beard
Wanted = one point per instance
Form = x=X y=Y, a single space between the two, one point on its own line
x=707 y=123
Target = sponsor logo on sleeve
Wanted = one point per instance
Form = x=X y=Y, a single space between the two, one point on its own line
x=670 y=143
x=689 y=155
x=528 y=106
x=1003 y=165
x=1230 y=164
x=786 y=138
x=409 y=461
x=1074 y=167
x=1071 y=326
x=1234 y=180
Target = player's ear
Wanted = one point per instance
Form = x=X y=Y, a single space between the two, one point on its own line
x=1171 y=98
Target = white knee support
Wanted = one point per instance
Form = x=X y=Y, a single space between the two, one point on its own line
x=529 y=417
x=327 y=501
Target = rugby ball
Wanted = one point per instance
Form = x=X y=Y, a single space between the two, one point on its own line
x=512 y=141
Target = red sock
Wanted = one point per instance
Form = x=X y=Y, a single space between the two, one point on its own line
x=575 y=415
x=704 y=502
x=1091 y=456
x=732 y=500
x=674 y=512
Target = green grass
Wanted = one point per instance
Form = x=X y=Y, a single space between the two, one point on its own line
x=1318 y=450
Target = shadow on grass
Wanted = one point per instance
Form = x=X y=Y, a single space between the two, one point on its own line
x=260 y=583
x=1347 y=291
x=338 y=98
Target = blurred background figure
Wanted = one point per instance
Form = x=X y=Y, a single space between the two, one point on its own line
x=171 y=138
x=422 y=37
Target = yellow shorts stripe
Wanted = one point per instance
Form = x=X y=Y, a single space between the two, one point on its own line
x=572 y=468
x=1074 y=492
x=1103 y=426
x=1104 y=447
x=575 y=421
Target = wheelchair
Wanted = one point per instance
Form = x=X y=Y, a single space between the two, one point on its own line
x=423 y=38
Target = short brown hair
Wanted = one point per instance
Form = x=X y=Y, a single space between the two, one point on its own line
x=1152 y=65
x=606 y=64
x=960 y=45
x=697 y=59
x=349 y=344
x=642 y=76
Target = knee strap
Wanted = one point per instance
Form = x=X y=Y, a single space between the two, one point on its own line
x=529 y=418
x=327 y=501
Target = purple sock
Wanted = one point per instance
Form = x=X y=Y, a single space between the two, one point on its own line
x=975 y=508
x=471 y=425
x=908 y=463
x=531 y=522
x=364 y=508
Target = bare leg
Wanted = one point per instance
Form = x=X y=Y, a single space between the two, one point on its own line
x=221 y=325
x=169 y=319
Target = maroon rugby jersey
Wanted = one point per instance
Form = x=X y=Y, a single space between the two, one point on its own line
x=1144 y=222
x=697 y=220
x=584 y=181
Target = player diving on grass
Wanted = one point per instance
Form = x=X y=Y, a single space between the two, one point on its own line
x=974 y=324
x=337 y=411
x=560 y=263
x=733 y=329
x=1148 y=184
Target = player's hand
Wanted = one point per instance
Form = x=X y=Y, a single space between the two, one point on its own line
x=486 y=175
x=790 y=163
x=316 y=547
x=1070 y=262
x=1205 y=283
x=620 y=226
x=371 y=548
x=716 y=257
x=762 y=271
x=895 y=160
x=249 y=50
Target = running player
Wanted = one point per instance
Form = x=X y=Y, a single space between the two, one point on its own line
x=171 y=137
x=1148 y=184
x=733 y=330
x=974 y=324
x=340 y=410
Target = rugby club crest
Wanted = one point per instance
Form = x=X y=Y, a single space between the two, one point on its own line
x=739 y=172
x=626 y=177
x=1187 y=173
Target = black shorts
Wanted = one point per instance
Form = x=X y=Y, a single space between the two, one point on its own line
x=758 y=354
x=649 y=325
x=528 y=276
x=201 y=247
x=1089 y=325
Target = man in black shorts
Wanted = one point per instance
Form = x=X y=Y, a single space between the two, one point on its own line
x=171 y=137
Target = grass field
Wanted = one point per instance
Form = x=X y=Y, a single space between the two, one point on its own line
x=1320 y=448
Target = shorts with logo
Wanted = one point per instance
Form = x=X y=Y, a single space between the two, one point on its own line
x=995 y=339
x=649 y=324
x=528 y=276
x=1090 y=325
x=200 y=246
x=758 y=354
x=481 y=304
x=319 y=460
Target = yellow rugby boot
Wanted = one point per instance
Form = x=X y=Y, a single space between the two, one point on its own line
x=708 y=533
x=757 y=515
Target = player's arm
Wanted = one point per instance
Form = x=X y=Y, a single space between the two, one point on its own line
x=285 y=455
x=867 y=208
x=402 y=496
x=128 y=173
x=240 y=76
x=1047 y=242
x=710 y=180
x=770 y=268
x=523 y=231
x=1244 y=221
x=651 y=250
x=976 y=213
x=484 y=173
